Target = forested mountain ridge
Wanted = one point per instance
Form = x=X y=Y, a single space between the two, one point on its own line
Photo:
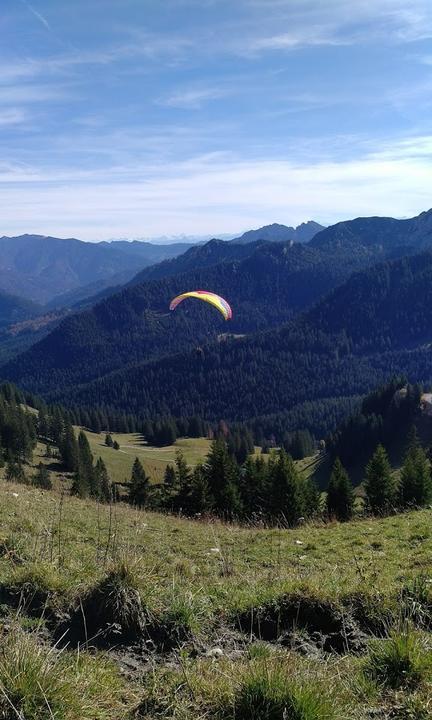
x=14 y=309
x=266 y=288
x=314 y=357
x=281 y=233
x=394 y=237
x=199 y=256
x=40 y=267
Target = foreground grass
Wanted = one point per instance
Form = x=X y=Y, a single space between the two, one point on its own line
x=186 y=585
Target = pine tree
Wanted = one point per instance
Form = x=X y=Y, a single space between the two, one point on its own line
x=85 y=465
x=170 y=476
x=415 y=487
x=108 y=440
x=115 y=445
x=379 y=485
x=182 y=481
x=287 y=500
x=103 y=482
x=15 y=473
x=139 y=485
x=199 y=500
x=340 y=494
x=221 y=475
x=68 y=448
x=253 y=483
x=42 y=478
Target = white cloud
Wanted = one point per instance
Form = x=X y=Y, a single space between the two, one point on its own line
x=12 y=116
x=36 y=14
x=194 y=98
x=309 y=23
x=216 y=193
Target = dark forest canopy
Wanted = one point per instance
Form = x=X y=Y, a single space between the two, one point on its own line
x=336 y=350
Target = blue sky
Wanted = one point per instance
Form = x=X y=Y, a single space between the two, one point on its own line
x=140 y=118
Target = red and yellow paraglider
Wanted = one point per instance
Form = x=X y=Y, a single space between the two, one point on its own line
x=219 y=302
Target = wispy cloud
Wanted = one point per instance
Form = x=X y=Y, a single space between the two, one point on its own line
x=12 y=116
x=216 y=193
x=37 y=14
x=312 y=23
x=194 y=98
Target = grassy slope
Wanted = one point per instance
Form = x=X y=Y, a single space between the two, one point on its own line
x=155 y=460
x=199 y=577
x=206 y=572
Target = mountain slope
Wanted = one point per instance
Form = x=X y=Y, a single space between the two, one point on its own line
x=15 y=309
x=282 y=233
x=39 y=267
x=199 y=256
x=329 y=351
x=394 y=237
x=265 y=290
x=151 y=253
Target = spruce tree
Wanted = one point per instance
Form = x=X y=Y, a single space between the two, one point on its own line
x=85 y=465
x=169 y=476
x=139 y=485
x=340 y=494
x=15 y=473
x=42 y=479
x=102 y=481
x=199 y=495
x=415 y=487
x=287 y=500
x=68 y=448
x=221 y=475
x=108 y=440
x=379 y=485
x=182 y=481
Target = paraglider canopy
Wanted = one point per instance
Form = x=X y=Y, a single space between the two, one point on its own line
x=209 y=297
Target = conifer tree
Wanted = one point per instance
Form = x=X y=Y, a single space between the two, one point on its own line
x=15 y=472
x=42 y=478
x=199 y=500
x=221 y=475
x=85 y=466
x=139 y=485
x=415 y=487
x=287 y=499
x=182 y=480
x=340 y=494
x=103 y=482
x=379 y=485
x=108 y=440
x=68 y=448
x=253 y=483
x=170 y=476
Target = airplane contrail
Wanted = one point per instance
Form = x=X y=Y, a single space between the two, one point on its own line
x=37 y=14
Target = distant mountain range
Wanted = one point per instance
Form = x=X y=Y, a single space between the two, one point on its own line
x=63 y=272
x=40 y=268
x=282 y=233
x=106 y=353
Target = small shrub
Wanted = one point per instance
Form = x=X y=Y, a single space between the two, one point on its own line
x=113 y=606
x=260 y=651
x=182 y=620
x=267 y=695
x=416 y=601
x=400 y=662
